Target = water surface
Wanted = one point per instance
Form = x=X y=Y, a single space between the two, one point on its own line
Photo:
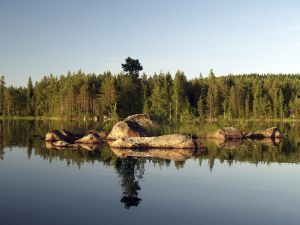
x=231 y=183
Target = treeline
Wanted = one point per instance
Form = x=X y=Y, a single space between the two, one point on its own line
x=165 y=97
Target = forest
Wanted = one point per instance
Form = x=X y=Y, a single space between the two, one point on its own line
x=166 y=97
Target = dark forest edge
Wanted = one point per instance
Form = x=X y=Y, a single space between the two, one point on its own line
x=172 y=99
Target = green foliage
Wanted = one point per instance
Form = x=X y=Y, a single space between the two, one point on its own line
x=179 y=94
x=30 y=98
x=2 y=87
x=21 y=132
x=295 y=107
x=201 y=107
x=132 y=67
x=114 y=114
x=160 y=99
x=129 y=95
x=168 y=99
x=108 y=97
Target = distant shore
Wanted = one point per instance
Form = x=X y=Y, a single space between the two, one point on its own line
x=78 y=118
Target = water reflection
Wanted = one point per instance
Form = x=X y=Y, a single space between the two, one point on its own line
x=236 y=144
x=170 y=154
x=230 y=144
x=130 y=165
x=30 y=134
x=131 y=171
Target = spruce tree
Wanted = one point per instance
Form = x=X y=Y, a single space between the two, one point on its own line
x=179 y=97
x=30 y=98
x=2 y=86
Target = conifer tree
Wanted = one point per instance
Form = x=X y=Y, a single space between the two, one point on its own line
x=2 y=86
x=30 y=97
x=179 y=97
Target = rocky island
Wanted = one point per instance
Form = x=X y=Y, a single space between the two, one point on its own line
x=134 y=133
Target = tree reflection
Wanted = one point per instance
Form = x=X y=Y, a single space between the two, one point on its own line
x=1 y=153
x=131 y=171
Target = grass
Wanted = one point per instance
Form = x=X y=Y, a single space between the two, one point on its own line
x=195 y=128
x=29 y=118
x=202 y=128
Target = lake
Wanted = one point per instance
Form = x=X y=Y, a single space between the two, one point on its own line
x=228 y=183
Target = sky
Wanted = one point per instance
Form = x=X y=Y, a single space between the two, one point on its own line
x=39 y=37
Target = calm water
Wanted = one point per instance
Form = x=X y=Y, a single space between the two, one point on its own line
x=229 y=183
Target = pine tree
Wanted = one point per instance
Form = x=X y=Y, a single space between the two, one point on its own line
x=168 y=87
x=132 y=67
x=201 y=106
x=108 y=96
x=294 y=106
x=257 y=99
x=247 y=106
x=241 y=95
x=146 y=90
x=179 y=97
x=214 y=103
x=30 y=98
x=233 y=107
x=159 y=102
x=211 y=102
x=2 y=86
x=280 y=105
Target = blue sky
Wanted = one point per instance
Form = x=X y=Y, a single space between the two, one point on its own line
x=231 y=36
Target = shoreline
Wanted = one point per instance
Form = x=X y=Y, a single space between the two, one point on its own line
x=285 y=120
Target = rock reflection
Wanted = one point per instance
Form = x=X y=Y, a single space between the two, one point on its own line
x=271 y=142
x=230 y=144
x=237 y=143
x=88 y=147
x=171 y=154
x=130 y=164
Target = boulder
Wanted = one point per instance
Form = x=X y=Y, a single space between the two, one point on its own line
x=59 y=135
x=124 y=129
x=227 y=133
x=171 y=154
x=142 y=119
x=100 y=134
x=89 y=139
x=272 y=132
x=66 y=133
x=133 y=126
x=79 y=133
x=171 y=141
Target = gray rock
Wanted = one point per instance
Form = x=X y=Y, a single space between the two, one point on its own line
x=142 y=119
x=59 y=135
x=133 y=126
x=227 y=133
x=272 y=132
x=124 y=129
x=171 y=141
x=89 y=139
